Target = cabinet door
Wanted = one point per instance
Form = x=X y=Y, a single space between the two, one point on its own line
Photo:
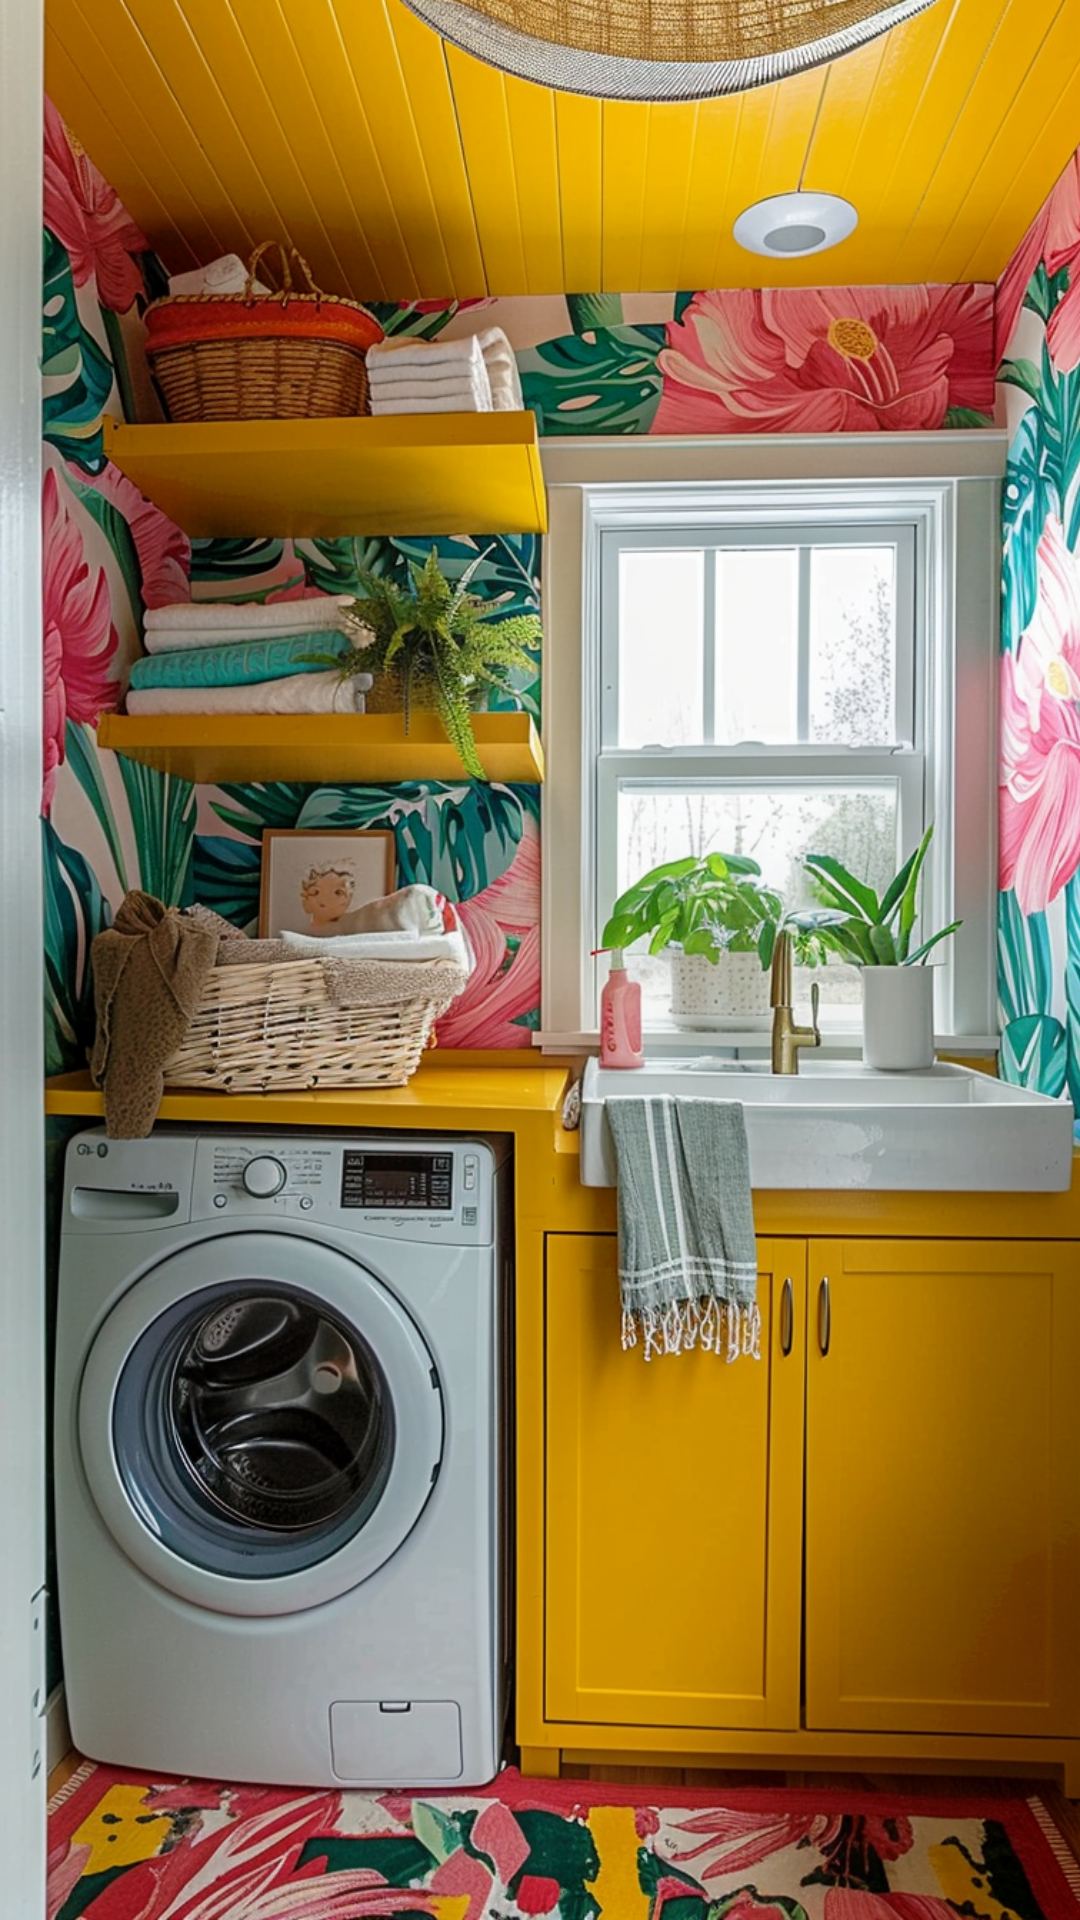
x=674 y=1509
x=943 y=1487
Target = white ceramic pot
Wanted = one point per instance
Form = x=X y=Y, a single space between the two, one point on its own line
x=898 y=1017
x=732 y=995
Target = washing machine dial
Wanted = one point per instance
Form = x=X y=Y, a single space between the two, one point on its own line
x=263 y=1177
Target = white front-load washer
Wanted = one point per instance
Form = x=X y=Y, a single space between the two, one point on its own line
x=280 y=1475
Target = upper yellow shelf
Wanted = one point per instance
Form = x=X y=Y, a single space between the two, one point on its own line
x=401 y=474
x=320 y=748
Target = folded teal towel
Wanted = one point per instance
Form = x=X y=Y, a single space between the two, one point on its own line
x=687 y=1253
x=240 y=663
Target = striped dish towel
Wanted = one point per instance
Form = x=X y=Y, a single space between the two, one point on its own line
x=687 y=1255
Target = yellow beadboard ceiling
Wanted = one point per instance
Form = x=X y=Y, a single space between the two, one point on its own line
x=405 y=169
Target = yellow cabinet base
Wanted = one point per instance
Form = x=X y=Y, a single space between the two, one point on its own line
x=924 y=1624
x=659 y=1748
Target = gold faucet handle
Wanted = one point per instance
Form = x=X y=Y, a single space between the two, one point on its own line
x=815 y=1002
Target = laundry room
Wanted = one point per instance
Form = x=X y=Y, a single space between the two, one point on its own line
x=539 y=745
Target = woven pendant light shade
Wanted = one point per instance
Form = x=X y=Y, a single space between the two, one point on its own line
x=660 y=49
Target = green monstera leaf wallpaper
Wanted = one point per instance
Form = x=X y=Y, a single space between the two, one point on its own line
x=1038 y=326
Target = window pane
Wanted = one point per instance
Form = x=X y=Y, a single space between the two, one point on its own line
x=853 y=645
x=776 y=826
x=661 y=648
x=757 y=644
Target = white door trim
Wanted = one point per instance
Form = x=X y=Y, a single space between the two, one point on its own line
x=22 y=1380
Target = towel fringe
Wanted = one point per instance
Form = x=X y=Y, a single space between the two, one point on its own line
x=716 y=1326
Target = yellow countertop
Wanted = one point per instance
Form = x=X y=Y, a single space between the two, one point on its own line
x=489 y=1098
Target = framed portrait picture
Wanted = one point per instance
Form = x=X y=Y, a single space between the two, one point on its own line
x=312 y=881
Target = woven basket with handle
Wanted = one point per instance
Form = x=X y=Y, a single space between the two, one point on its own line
x=261 y=356
x=270 y=1026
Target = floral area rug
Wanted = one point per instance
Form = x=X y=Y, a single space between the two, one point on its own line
x=126 y=1846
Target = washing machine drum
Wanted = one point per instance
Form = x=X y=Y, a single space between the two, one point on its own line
x=266 y=1438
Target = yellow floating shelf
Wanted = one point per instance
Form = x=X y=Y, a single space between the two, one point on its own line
x=401 y=474
x=320 y=748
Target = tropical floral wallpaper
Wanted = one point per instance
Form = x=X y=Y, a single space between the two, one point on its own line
x=1038 y=332
x=839 y=359
x=109 y=824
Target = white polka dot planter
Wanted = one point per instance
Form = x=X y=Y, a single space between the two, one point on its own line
x=733 y=994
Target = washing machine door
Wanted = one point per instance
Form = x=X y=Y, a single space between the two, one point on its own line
x=260 y=1422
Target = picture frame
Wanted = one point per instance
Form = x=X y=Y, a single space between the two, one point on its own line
x=312 y=878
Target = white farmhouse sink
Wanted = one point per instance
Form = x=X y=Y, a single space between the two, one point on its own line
x=838 y=1124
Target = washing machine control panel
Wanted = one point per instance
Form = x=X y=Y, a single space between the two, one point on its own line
x=430 y=1189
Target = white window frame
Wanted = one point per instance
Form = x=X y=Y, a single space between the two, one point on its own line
x=946 y=488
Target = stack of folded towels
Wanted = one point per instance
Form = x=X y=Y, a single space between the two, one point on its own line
x=475 y=375
x=203 y=657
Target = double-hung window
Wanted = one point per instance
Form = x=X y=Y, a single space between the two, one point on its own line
x=780 y=670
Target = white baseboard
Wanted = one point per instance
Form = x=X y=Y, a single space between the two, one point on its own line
x=57 y=1731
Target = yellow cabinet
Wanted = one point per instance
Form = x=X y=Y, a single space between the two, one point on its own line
x=943 y=1487
x=673 y=1553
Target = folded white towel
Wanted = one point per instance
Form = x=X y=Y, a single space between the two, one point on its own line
x=494 y=344
x=209 y=623
x=249 y=617
x=420 y=403
x=180 y=639
x=301 y=693
x=506 y=394
x=459 y=354
x=502 y=369
x=384 y=946
x=398 y=386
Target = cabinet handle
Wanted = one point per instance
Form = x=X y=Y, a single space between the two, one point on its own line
x=787 y=1318
x=824 y=1316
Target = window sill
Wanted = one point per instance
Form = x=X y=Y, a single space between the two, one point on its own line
x=840 y=1044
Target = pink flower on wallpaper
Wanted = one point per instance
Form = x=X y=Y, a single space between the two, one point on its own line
x=1048 y=658
x=79 y=637
x=827 y=360
x=1053 y=237
x=163 y=552
x=89 y=220
x=1040 y=734
x=1039 y=794
x=505 y=982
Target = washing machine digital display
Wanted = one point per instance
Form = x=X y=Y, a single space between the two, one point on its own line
x=421 y=1182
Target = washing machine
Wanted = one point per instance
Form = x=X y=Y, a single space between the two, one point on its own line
x=280 y=1463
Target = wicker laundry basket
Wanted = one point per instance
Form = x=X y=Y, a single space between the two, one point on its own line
x=261 y=356
x=273 y=1026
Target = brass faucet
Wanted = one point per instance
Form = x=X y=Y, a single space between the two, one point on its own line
x=787 y=1038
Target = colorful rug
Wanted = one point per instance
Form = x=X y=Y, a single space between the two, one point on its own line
x=126 y=1846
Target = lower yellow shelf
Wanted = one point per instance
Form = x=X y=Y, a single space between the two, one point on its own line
x=321 y=748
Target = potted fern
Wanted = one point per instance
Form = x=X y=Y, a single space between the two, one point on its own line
x=439 y=646
x=877 y=933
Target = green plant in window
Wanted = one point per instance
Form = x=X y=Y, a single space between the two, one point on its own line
x=444 y=645
x=714 y=905
x=873 y=930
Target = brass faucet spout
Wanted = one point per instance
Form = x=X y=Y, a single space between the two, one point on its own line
x=788 y=1038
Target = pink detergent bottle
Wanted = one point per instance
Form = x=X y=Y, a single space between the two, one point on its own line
x=620 y=1017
